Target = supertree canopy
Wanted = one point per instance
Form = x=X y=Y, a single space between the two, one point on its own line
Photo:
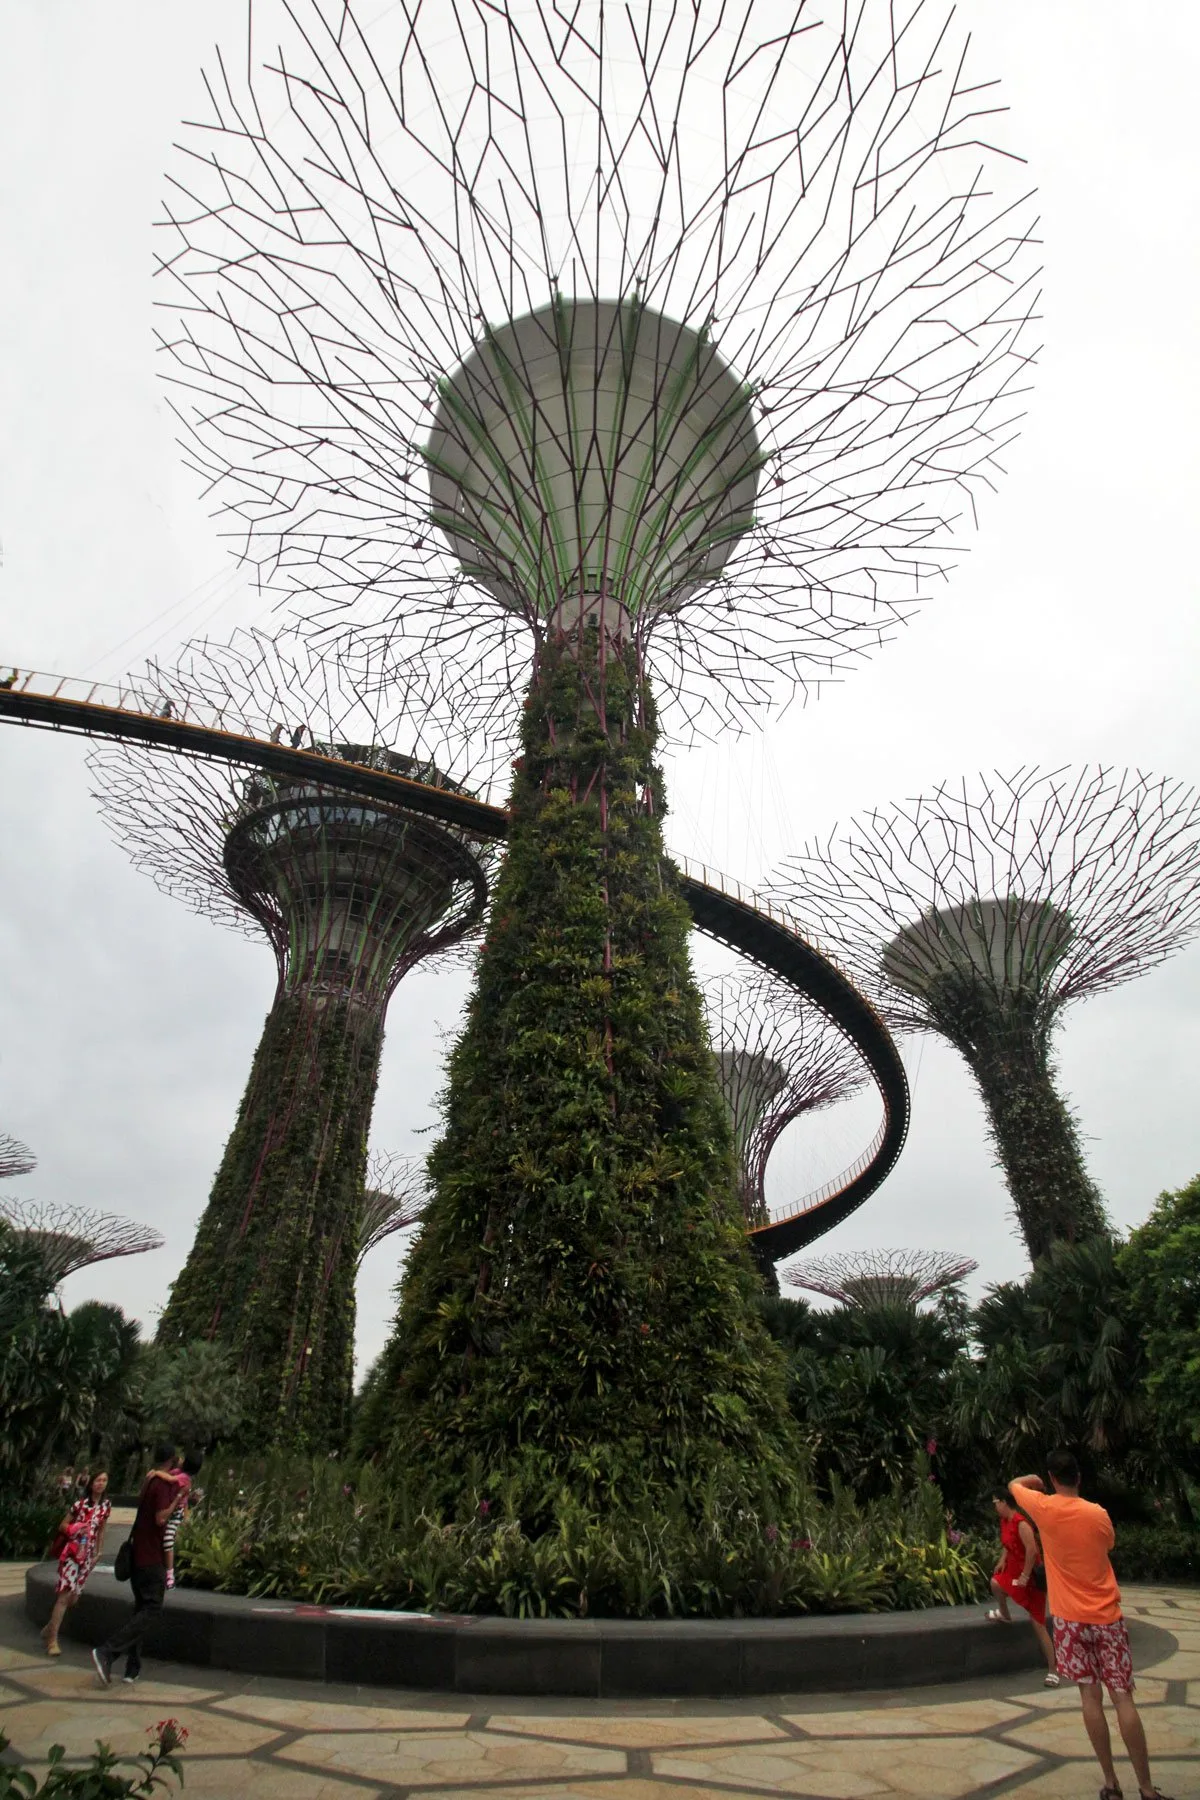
x=584 y=354
x=981 y=911
x=350 y=894
x=775 y=1062
x=870 y=1278
x=394 y=1198
x=719 y=313
x=15 y=1157
x=70 y=1237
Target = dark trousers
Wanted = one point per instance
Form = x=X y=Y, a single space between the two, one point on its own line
x=149 y=1591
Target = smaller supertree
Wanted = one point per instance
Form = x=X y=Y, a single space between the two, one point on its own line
x=70 y=1237
x=15 y=1158
x=873 y=1278
x=982 y=910
x=394 y=1198
x=775 y=1062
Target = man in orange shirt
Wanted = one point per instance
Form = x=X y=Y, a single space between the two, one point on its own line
x=1091 y=1644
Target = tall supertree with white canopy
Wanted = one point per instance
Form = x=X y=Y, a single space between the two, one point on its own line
x=631 y=353
x=983 y=910
x=866 y=1279
x=351 y=895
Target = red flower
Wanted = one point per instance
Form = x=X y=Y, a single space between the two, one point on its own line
x=931 y=1446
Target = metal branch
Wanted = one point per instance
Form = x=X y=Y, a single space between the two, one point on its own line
x=870 y=1278
x=820 y=204
x=15 y=1157
x=775 y=1062
x=395 y=1197
x=70 y=1237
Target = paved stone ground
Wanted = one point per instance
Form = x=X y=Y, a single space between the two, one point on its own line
x=259 y=1739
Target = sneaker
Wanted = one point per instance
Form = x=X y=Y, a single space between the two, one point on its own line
x=128 y=1679
x=103 y=1665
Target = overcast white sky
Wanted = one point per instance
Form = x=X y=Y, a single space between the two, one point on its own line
x=1069 y=633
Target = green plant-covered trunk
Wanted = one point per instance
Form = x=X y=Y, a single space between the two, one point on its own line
x=1036 y=1142
x=579 y=1312
x=272 y=1270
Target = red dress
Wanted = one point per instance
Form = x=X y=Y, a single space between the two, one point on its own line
x=1033 y=1599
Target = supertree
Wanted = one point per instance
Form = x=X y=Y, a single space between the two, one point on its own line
x=351 y=895
x=578 y=353
x=15 y=1157
x=775 y=1062
x=70 y=1237
x=394 y=1198
x=982 y=910
x=871 y=1278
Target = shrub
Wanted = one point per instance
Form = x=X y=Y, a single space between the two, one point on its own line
x=331 y=1541
x=1157 y=1553
x=26 y=1526
x=98 y=1779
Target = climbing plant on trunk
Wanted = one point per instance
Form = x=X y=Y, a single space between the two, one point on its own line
x=579 y=1311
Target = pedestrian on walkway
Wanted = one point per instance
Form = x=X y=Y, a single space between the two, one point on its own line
x=79 y=1538
x=1020 y=1575
x=156 y=1502
x=1091 y=1644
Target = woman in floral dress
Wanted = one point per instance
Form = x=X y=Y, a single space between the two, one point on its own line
x=83 y=1530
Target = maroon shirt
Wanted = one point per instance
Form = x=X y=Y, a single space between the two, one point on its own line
x=147 y=1534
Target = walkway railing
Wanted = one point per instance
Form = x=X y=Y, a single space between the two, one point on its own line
x=736 y=916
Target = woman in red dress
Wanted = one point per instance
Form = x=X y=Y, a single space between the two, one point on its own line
x=83 y=1532
x=1018 y=1576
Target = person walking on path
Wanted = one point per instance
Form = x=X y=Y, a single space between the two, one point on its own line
x=81 y=1534
x=1091 y=1644
x=156 y=1502
x=1020 y=1575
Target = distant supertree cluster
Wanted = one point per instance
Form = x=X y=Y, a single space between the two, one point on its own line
x=394 y=1198
x=70 y=1237
x=775 y=1062
x=15 y=1158
x=981 y=911
x=724 y=313
x=874 y=1278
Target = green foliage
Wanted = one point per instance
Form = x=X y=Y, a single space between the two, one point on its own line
x=26 y=1526
x=579 y=1311
x=1163 y=1552
x=1161 y=1264
x=192 y=1395
x=271 y=1273
x=319 y=1538
x=67 y=1380
x=98 y=1778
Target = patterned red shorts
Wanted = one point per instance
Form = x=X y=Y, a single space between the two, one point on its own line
x=1094 y=1653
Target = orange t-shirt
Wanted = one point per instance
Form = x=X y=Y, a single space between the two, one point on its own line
x=1077 y=1536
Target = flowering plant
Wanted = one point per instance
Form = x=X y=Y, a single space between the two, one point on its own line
x=98 y=1779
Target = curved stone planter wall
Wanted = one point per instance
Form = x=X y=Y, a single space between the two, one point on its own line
x=602 y=1658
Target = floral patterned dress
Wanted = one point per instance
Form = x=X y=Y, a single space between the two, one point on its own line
x=85 y=1532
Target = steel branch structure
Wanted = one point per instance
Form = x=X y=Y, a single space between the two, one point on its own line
x=15 y=1157
x=871 y=1278
x=395 y=1197
x=719 y=311
x=983 y=910
x=70 y=1237
x=351 y=893
x=775 y=1062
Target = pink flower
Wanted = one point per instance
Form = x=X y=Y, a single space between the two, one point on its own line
x=931 y=1446
x=801 y=1543
x=772 y=1534
x=485 y=1507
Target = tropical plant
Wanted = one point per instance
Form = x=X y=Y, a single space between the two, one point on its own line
x=1161 y=1265
x=193 y=1394
x=98 y=1779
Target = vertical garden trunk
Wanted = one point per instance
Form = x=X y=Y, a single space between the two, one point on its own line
x=579 y=1312
x=273 y=1266
x=1037 y=1142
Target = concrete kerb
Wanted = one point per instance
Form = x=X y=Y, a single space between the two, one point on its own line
x=596 y=1658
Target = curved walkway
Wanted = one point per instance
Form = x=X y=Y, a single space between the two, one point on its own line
x=744 y=922
x=257 y=1739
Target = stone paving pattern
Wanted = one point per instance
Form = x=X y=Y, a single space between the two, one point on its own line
x=260 y=1739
